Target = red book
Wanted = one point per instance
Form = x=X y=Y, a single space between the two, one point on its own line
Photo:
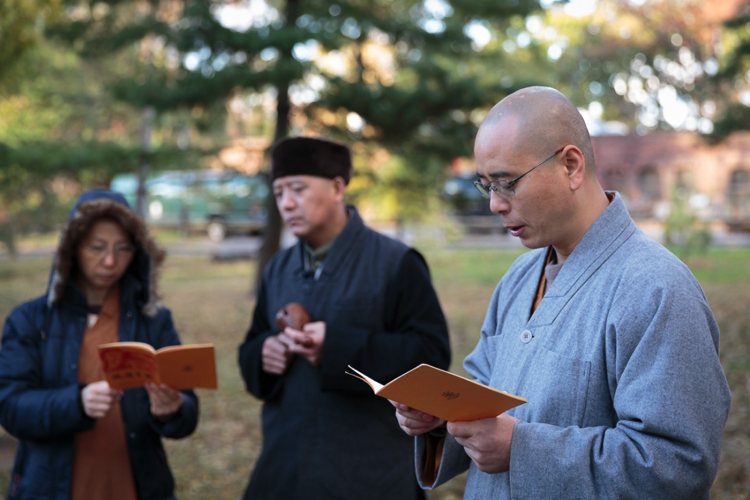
x=132 y=364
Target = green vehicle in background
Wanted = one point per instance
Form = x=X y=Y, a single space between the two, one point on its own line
x=217 y=202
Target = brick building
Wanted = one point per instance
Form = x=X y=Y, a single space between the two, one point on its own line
x=645 y=169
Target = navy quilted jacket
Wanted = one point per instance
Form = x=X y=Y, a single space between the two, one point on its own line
x=39 y=391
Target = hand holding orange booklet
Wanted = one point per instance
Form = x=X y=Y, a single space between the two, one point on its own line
x=132 y=364
x=443 y=394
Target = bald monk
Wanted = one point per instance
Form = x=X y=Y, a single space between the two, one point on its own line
x=604 y=331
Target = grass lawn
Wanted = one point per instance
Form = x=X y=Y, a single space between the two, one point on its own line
x=211 y=303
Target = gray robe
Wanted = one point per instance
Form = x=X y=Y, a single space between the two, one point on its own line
x=626 y=396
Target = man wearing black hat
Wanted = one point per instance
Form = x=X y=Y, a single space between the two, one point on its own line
x=371 y=305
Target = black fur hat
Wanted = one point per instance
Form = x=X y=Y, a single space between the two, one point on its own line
x=311 y=156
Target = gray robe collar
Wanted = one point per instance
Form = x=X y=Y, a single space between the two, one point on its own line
x=610 y=230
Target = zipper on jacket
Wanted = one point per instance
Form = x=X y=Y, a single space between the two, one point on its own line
x=16 y=480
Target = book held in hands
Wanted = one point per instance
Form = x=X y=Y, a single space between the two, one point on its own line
x=443 y=394
x=132 y=364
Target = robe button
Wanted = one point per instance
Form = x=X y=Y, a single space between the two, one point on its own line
x=306 y=287
x=526 y=337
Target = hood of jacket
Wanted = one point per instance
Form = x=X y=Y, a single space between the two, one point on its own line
x=102 y=203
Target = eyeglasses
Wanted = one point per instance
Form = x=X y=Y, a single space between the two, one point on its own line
x=100 y=251
x=503 y=187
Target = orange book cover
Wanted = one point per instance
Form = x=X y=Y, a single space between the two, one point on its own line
x=444 y=394
x=132 y=364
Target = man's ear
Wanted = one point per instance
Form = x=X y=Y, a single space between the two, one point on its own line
x=575 y=164
x=339 y=187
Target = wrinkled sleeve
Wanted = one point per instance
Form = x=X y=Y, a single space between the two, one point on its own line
x=452 y=460
x=28 y=410
x=416 y=332
x=671 y=399
x=436 y=467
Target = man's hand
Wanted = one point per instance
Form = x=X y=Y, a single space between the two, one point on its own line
x=165 y=401
x=98 y=399
x=308 y=342
x=486 y=441
x=414 y=422
x=275 y=354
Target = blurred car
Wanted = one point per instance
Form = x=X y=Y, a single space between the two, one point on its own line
x=218 y=202
x=469 y=207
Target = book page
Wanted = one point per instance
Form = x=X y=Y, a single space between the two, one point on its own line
x=137 y=345
x=375 y=385
x=188 y=366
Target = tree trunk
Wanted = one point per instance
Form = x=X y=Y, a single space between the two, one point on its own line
x=8 y=238
x=144 y=167
x=147 y=122
x=272 y=235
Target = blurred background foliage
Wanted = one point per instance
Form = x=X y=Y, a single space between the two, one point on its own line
x=91 y=88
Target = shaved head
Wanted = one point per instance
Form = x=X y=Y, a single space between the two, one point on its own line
x=556 y=203
x=539 y=120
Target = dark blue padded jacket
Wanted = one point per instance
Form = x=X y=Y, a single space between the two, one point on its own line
x=39 y=389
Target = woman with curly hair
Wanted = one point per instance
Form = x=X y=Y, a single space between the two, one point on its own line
x=79 y=438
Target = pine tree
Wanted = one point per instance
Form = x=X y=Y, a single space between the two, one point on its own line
x=402 y=69
x=408 y=69
x=733 y=78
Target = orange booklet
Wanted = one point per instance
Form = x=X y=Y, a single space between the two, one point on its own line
x=132 y=364
x=444 y=394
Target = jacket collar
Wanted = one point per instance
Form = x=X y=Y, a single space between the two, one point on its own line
x=344 y=243
x=130 y=293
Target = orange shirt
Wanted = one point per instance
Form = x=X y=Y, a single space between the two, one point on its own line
x=101 y=464
x=542 y=286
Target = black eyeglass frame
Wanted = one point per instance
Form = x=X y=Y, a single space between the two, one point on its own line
x=507 y=186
